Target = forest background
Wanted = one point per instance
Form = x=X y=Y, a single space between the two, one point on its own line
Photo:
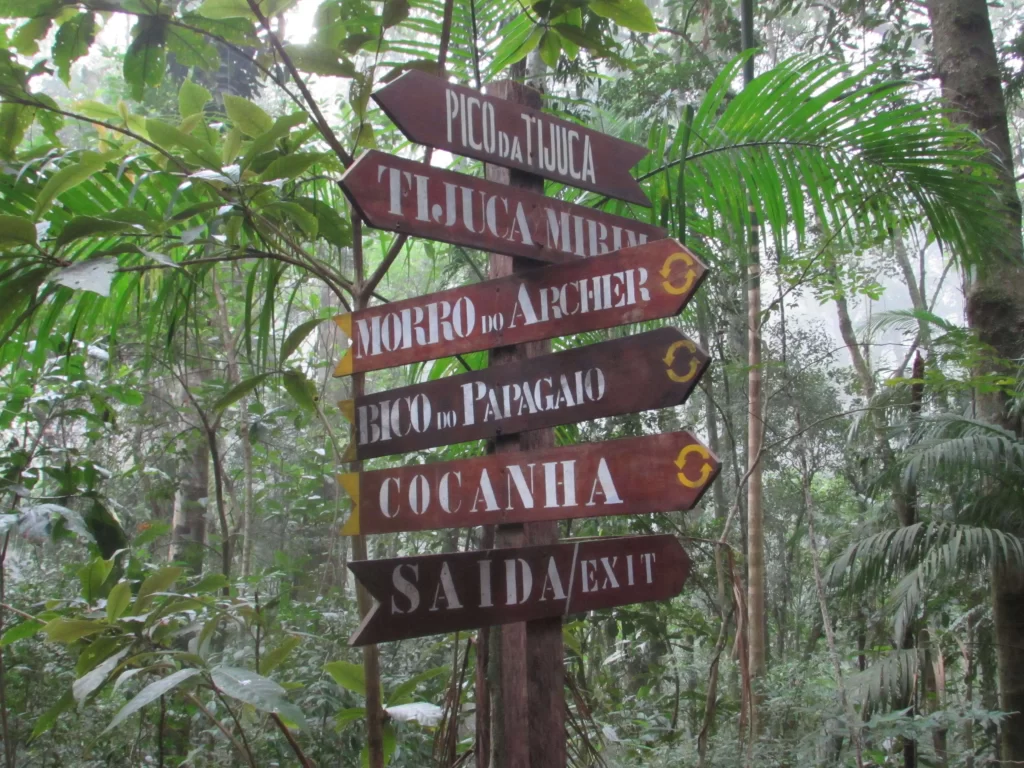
x=173 y=242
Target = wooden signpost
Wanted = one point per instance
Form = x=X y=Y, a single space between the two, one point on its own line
x=634 y=476
x=604 y=271
x=656 y=369
x=405 y=196
x=646 y=282
x=463 y=121
x=432 y=594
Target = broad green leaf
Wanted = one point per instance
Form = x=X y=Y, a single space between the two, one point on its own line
x=296 y=337
x=226 y=9
x=332 y=227
x=258 y=691
x=16 y=230
x=70 y=176
x=88 y=226
x=320 y=60
x=632 y=14
x=15 y=119
x=146 y=57
x=70 y=630
x=294 y=213
x=239 y=391
x=265 y=141
x=232 y=145
x=510 y=56
x=118 y=599
x=27 y=628
x=349 y=715
x=94 y=275
x=72 y=42
x=249 y=118
x=348 y=675
x=239 y=9
x=290 y=166
x=92 y=575
x=272 y=660
x=160 y=581
x=192 y=97
x=49 y=718
x=167 y=136
x=26 y=38
x=93 y=679
x=192 y=49
x=211 y=582
x=151 y=693
x=395 y=12
x=550 y=46
x=403 y=691
x=302 y=390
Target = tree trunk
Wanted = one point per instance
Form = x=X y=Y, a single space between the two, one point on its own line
x=188 y=525
x=968 y=67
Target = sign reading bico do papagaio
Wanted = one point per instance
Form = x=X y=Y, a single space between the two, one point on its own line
x=463 y=121
x=647 y=282
x=634 y=476
x=402 y=195
x=656 y=369
x=433 y=594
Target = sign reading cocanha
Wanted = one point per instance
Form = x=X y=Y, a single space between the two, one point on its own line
x=511 y=135
x=656 y=369
x=402 y=195
x=634 y=476
x=432 y=594
x=646 y=282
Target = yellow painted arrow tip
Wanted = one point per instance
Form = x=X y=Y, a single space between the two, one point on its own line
x=350 y=453
x=348 y=410
x=344 y=322
x=344 y=366
x=351 y=526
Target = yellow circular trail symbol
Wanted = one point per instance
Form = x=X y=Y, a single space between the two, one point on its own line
x=670 y=358
x=666 y=270
x=705 y=469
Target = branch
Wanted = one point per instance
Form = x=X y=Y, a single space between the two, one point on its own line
x=109 y=126
x=291 y=741
x=314 y=108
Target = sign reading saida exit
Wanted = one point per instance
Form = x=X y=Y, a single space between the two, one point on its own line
x=432 y=594
x=656 y=369
x=634 y=476
x=633 y=285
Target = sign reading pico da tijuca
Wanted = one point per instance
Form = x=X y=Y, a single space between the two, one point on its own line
x=511 y=135
x=646 y=282
x=656 y=369
x=634 y=476
x=432 y=594
x=402 y=195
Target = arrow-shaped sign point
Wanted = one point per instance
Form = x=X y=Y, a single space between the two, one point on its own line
x=349 y=482
x=344 y=367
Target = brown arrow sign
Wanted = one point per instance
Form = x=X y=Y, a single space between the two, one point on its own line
x=405 y=196
x=435 y=594
x=635 y=476
x=508 y=134
x=647 y=282
x=656 y=369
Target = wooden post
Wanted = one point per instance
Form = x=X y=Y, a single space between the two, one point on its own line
x=524 y=661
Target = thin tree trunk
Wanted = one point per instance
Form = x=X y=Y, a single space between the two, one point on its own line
x=756 y=617
x=968 y=67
